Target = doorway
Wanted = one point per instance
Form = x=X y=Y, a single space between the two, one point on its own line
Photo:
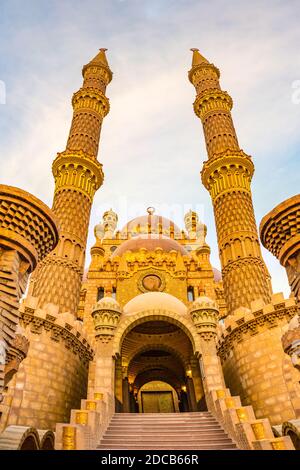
x=157 y=371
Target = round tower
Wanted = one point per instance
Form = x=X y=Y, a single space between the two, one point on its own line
x=227 y=176
x=110 y=221
x=78 y=175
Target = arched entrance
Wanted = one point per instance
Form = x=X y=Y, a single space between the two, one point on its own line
x=158 y=396
x=157 y=368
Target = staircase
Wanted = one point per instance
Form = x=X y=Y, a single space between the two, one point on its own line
x=172 y=431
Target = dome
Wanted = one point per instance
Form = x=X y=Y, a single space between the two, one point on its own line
x=155 y=300
x=150 y=223
x=204 y=302
x=107 y=303
x=150 y=242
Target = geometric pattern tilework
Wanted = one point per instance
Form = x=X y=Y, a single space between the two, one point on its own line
x=73 y=211
x=85 y=132
x=280 y=225
x=234 y=213
x=20 y=213
x=219 y=133
x=245 y=280
x=58 y=277
x=58 y=282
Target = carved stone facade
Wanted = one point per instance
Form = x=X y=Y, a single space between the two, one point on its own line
x=151 y=315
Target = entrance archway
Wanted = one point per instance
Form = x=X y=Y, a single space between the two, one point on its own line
x=156 y=349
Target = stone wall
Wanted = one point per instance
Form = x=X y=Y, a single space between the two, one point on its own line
x=53 y=378
x=254 y=363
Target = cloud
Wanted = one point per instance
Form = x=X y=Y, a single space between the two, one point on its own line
x=152 y=145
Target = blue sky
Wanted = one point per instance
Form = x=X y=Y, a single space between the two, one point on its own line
x=152 y=145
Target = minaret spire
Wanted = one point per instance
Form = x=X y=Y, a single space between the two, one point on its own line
x=227 y=176
x=198 y=58
x=78 y=175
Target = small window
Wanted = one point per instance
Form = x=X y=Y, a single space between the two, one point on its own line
x=100 y=293
x=114 y=293
x=190 y=294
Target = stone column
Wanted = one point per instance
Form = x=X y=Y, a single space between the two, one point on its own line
x=204 y=312
x=126 y=396
x=191 y=394
x=108 y=370
x=198 y=385
x=119 y=386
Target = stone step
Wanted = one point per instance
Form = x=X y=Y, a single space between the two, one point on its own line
x=164 y=423
x=198 y=431
x=164 y=433
x=230 y=446
x=158 y=427
x=153 y=440
x=162 y=415
x=144 y=416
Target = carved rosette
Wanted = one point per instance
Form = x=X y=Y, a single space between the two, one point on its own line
x=204 y=313
x=106 y=315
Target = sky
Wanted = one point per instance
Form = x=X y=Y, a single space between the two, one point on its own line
x=152 y=146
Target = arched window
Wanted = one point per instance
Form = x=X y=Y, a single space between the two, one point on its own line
x=190 y=294
x=100 y=293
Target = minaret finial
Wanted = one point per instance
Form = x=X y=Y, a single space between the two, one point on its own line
x=197 y=57
x=150 y=210
x=99 y=60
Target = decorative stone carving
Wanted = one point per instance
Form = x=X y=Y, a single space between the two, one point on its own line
x=106 y=315
x=204 y=312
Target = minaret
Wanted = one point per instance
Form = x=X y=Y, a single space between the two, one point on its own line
x=227 y=176
x=78 y=175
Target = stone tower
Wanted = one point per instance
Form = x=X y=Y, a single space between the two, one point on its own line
x=77 y=174
x=227 y=176
x=110 y=221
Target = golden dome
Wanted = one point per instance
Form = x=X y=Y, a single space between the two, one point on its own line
x=153 y=301
x=150 y=242
x=151 y=224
